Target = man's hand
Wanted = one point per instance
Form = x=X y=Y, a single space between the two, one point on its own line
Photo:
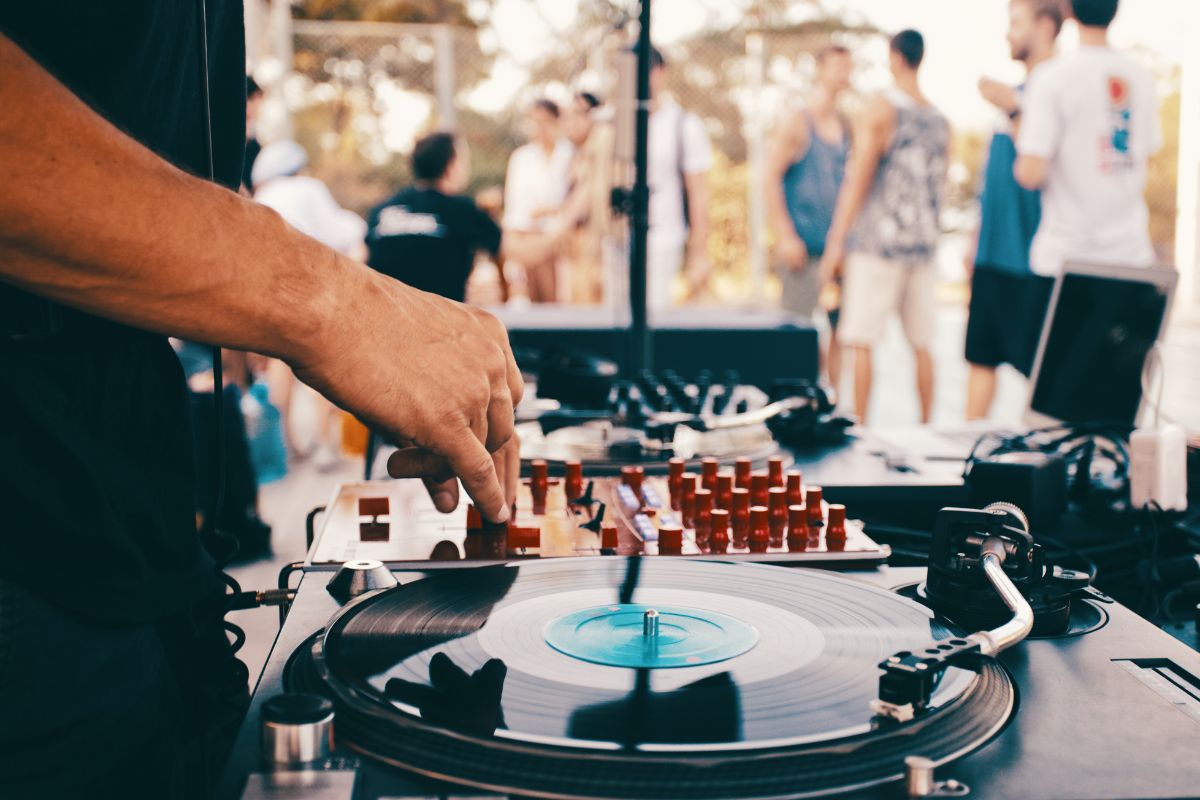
x=439 y=378
x=792 y=252
x=697 y=273
x=1001 y=95
x=832 y=261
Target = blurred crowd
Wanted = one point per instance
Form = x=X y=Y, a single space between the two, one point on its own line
x=853 y=205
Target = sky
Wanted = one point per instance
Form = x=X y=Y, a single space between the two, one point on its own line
x=964 y=39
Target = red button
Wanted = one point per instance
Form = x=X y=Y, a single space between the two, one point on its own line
x=703 y=516
x=775 y=471
x=741 y=473
x=670 y=540
x=608 y=537
x=519 y=537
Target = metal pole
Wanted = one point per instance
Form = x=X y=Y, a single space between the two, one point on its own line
x=755 y=202
x=640 y=356
x=443 y=62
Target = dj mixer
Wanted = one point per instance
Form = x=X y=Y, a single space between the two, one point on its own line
x=739 y=514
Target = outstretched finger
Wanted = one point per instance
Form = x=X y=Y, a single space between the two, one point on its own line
x=471 y=461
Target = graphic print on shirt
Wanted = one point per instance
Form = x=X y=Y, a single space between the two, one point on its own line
x=1115 y=152
x=399 y=221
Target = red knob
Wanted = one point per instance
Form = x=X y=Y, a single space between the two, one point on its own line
x=798 y=521
x=633 y=477
x=675 y=469
x=687 y=499
x=741 y=517
x=573 y=482
x=836 y=529
x=670 y=540
x=719 y=538
x=724 y=498
x=741 y=473
x=708 y=473
x=816 y=515
x=760 y=529
x=795 y=487
x=608 y=537
x=758 y=488
x=474 y=518
x=775 y=471
x=539 y=473
x=777 y=502
x=704 y=504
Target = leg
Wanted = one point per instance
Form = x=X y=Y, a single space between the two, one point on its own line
x=981 y=389
x=918 y=313
x=862 y=381
x=833 y=358
x=924 y=361
x=871 y=293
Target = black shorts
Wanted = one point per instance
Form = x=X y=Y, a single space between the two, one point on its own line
x=1005 y=318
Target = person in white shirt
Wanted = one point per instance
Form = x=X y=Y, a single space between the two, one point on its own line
x=680 y=156
x=306 y=204
x=535 y=189
x=1089 y=124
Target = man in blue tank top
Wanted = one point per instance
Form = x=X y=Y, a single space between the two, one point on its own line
x=806 y=158
x=1008 y=302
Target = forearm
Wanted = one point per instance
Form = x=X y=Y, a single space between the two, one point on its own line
x=850 y=200
x=778 y=219
x=92 y=219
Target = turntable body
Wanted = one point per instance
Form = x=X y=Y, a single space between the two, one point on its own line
x=1110 y=713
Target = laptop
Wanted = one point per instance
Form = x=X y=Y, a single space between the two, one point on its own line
x=1101 y=324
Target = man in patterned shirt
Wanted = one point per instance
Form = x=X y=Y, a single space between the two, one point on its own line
x=886 y=225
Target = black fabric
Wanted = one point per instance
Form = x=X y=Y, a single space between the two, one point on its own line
x=1005 y=318
x=146 y=711
x=97 y=473
x=428 y=239
x=253 y=148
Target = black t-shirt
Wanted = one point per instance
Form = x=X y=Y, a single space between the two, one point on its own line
x=97 y=474
x=428 y=240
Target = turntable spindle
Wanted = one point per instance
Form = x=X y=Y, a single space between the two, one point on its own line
x=650 y=624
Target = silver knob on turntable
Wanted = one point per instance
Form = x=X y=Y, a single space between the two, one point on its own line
x=650 y=622
x=359 y=577
x=297 y=729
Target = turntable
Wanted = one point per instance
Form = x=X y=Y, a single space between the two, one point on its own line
x=684 y=677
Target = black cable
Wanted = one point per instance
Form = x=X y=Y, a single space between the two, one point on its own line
x=210 y=530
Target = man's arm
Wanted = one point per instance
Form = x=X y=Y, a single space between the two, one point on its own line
x=871 y=134
x=789 y=138
x=93 y=220
x=1030 y=171
x=698 y=268
x=1041 y=130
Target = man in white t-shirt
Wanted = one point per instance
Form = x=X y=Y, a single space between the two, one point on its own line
x=1088 y=126
x=535 y=189
x=680 y=156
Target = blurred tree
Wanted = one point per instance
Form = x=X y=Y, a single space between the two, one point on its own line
x=449 y=12
x=1162 y=179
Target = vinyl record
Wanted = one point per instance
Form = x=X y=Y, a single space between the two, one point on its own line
x=540 y=679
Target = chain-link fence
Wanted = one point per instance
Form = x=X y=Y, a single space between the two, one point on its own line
x=359 y=94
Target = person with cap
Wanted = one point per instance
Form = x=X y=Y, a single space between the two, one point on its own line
x=117 y=678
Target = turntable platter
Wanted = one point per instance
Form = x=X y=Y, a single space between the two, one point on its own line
x=533 y=679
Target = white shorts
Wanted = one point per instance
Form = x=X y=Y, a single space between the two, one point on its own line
x=874 y=288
